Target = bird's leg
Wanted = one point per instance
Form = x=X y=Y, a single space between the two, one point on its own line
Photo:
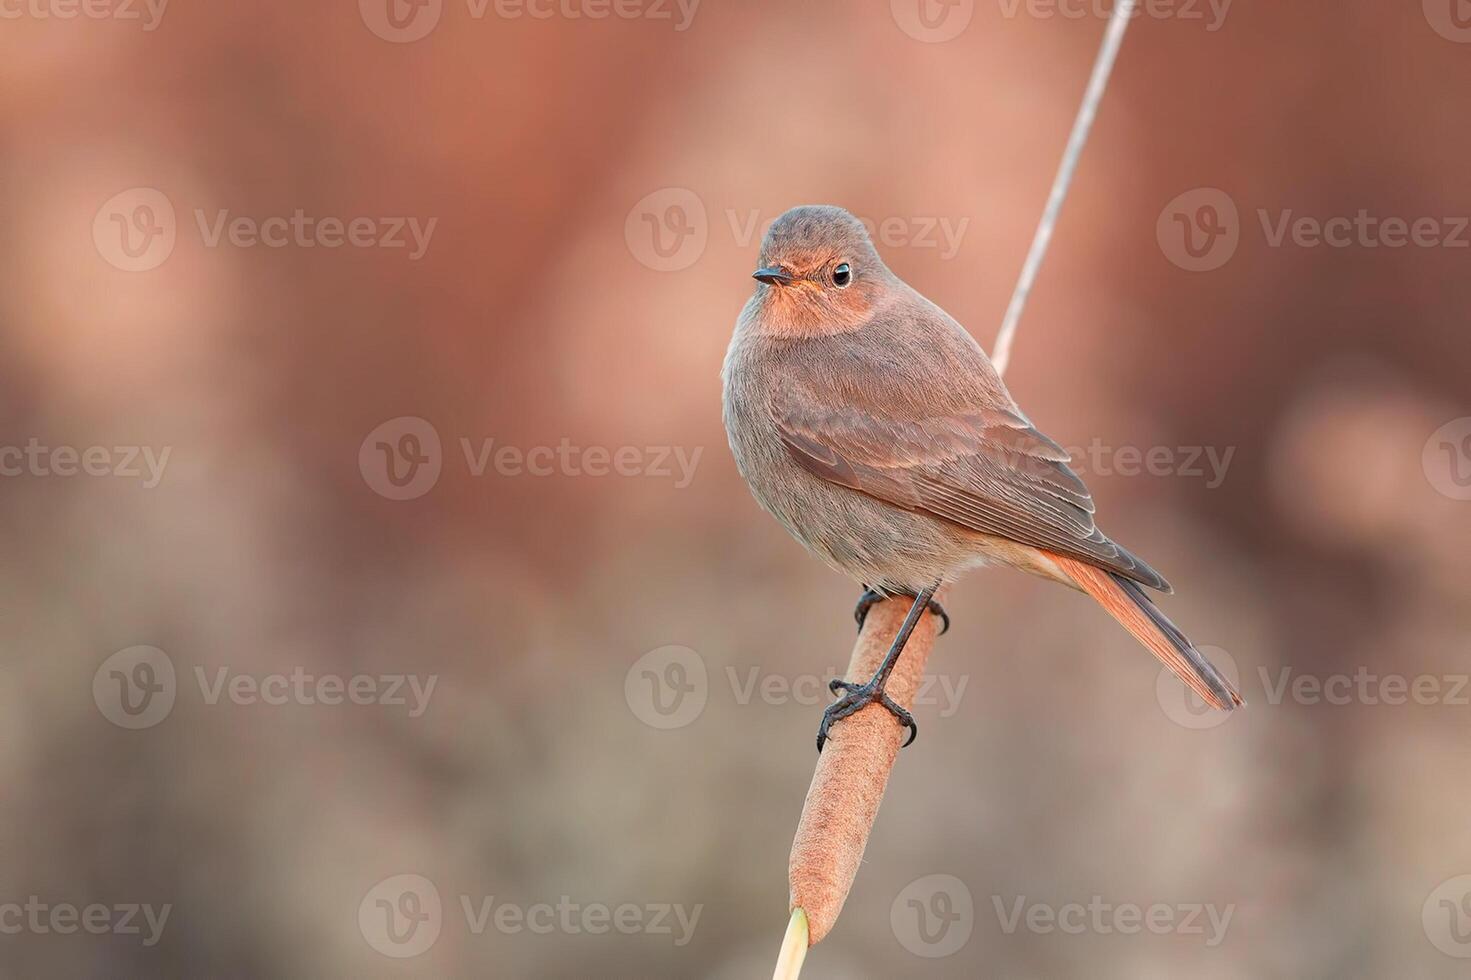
x=856 y=696
x=870 y=598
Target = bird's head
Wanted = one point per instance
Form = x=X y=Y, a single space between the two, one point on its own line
x=818 y=272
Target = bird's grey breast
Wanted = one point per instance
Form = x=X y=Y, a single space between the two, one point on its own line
x=751 y=379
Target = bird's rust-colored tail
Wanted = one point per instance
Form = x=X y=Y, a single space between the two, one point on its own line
x=1126 y=602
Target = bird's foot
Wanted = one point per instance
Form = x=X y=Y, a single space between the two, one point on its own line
x=870 y=598
x=856 y=696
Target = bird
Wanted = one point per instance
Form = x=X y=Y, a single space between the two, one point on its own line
x=872 y=426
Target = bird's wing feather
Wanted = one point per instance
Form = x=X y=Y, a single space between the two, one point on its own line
x=965 y=456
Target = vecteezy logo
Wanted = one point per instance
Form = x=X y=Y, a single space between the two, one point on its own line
x=135 y=688
x=667 y=230
x=667 y=688
x=1451 y=19
x=1199 y=230
x=401 y=21
x=1446 y=917
x=401 y=459
x=135 y=230
x=932 y=21
x=401 y=916
x=1186 y=708
x=1446 y=459
x=933 y=916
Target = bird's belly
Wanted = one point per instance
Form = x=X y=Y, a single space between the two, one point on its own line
x=870 y=541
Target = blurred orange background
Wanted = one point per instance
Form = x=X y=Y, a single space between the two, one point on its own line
x=588 y=184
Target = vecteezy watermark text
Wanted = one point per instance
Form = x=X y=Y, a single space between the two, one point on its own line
x=1211 y=12
x=1103 y=917
x=752 y=683
x=406 y=21
x=668 y=229
x=402 y=459
x=65 y=918
x=909 y=231
x=148 y=12
x=129 y=462
x=137 y=687
x=300 y=687
x=305 y=231
x=1286 y=685
x=1367 y=687
x=669 y=687
x=571 y=918
x=403 y=916
x=934 y=916
x=136 y=230
x=568 y=459
x=1200 y=230
x=1207 y=462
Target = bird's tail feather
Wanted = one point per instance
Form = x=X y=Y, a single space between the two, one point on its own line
x=1126 y=602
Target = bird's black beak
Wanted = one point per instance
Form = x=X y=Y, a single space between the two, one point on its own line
x=773 y=276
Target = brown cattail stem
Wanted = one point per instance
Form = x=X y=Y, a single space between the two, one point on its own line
x=853 y=770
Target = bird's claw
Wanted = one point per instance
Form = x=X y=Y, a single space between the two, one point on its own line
x=855 y=697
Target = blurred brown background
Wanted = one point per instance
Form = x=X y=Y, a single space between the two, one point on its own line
x=597 y=186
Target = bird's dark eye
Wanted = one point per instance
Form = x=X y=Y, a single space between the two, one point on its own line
x=842 y=275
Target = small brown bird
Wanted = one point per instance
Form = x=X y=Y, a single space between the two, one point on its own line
x=875 y=429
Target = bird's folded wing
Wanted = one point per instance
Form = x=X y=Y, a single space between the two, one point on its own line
x=986 y=469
